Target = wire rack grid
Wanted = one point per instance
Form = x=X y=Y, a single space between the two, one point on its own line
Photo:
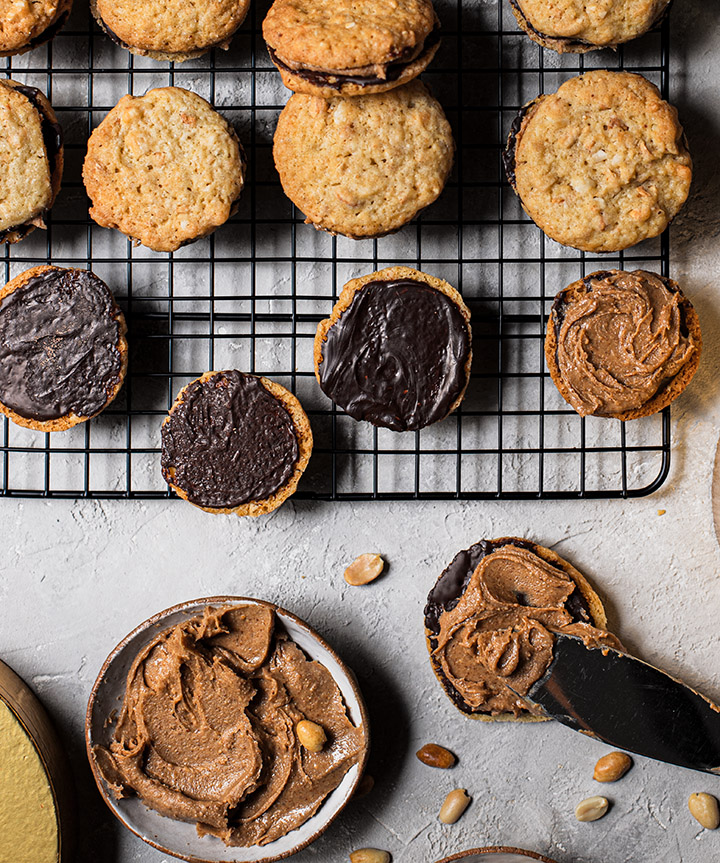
x=251 y=295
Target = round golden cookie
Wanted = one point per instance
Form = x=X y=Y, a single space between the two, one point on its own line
x=602 y=164
x=235 y=443
x=63 y=351
x=622 y=345
x=451 y=585
x=26 y=24
x=172 y=30
x=31 y=159
x=364 y=166
x=575 y=26
x=341 y=48
x=164 y=169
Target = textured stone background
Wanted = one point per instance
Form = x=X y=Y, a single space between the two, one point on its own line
x=77 y=576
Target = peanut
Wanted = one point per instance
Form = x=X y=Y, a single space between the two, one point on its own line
x=705 y=810
x=311 y=735
x=369 y=855
x=364 y=786
x=612 y=767
x=591 y=809
x=436 y=756
x=364 y=569
x=455 y=804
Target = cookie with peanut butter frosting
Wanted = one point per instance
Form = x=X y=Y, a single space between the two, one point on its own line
x=601 y=164
x=622 y=345
x=491 y=618
x=165 y=169
x=575 y=26
x=338 y=48
x=366 y=166
x=26 y=24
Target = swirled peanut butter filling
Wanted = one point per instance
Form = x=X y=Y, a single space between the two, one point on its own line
x=492 y=618
x=621 y=341
x=207 y=730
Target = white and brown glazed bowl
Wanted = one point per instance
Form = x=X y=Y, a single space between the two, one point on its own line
x=180 y=838
x=496 y=854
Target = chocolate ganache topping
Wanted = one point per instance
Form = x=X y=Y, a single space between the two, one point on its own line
x=620 y=341
x=59 y=345
x=491 y=619
x=228 y=441
x=397 y=355
x=207 y=728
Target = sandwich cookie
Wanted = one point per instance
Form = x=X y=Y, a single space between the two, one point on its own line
x=170 y=30
x=236 y=443
x=490 y=621
x=63 y=352
x=602 y=164
x=27 y=25
x=622 y=345
x=31 y=159
x=366 y=166
x=165 y=169
x=334 y=48
x=396 y=350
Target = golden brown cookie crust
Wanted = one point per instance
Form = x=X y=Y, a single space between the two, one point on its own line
x=66 y=422
x=304 y=436
x=601 y=164
x=24 y=26
x=595 y=607
x=366 y=166
x=574 y=26
x=31 y=179
x=358 y=39
x=164 y=169
x=391 y=274
x=578 y=290
x=174 y=30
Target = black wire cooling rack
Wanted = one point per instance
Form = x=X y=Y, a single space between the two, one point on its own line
x=250 y=296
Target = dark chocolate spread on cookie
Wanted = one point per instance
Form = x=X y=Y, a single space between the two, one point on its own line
x=228 y=441
x=397 y=355
x=59 y=351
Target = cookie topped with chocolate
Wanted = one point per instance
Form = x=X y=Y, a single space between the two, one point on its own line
x=491 y=618
x=27 y=25
x=396 y=350
x=63 y=352
x=621 y=344
x=234 y=442
x=338 y=48
x=31 y=159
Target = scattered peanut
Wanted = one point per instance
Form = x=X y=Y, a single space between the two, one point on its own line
x=364 y=569
x=705 y=810
x=311 y=735
x=364 y=786
x=591 y=809
x=612 y=767
x=436 y=756
x=369 y=855
x=455 y=804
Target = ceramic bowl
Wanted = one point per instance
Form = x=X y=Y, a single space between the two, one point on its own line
x=496 y=854
x=180 y=838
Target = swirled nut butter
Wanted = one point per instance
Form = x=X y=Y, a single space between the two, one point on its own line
x=491 y=619
x=207 y=730
x=622 y=344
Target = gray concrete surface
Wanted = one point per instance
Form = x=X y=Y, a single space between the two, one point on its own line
x=75 y=577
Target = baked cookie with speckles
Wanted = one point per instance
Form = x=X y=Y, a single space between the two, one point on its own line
x=235 y=443
x=601 y=164
x=364 y=166
x=622 y=345
x=31 y=159
x=172 y=30
x=27 y=24
x=340 y=48
x=164 y=169
x=63 y=351
x=575 y=26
